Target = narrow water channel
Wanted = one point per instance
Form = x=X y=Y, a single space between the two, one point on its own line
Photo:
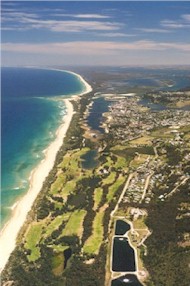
x=95 y=117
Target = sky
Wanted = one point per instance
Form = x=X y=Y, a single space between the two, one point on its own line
x=50 y=33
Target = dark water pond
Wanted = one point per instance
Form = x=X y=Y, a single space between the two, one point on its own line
x=128 y=279
x=123 y=255
x=121 y=227
x=186 y=108
x=159 y=106
x=153 y=106
x=67 y=254
x=89 y=160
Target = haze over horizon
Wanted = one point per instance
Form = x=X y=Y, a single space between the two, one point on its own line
x=95 y=33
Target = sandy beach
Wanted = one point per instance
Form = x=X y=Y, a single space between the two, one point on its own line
x=10 y=231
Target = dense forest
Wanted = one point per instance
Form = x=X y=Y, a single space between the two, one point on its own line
x=168 y=257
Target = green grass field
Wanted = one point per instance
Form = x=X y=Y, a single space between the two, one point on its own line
x=144 y=140
x=58 y=264
x=66 y=161
x=162 y=132
x=32 y=239
x=69 y=172
x=185 y=128
x=68 y=188
x=118 y=147
x=139 y=160
x=110 y=179
x=108 y=163
x=98 y=192
x=121 y=163
x=93 y=243
x=59 y=248
x=74 y=225
x=114 y=188
x=54 y=224
x=72 y=159
x=58 y=184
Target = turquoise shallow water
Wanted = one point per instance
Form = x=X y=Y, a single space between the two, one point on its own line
x=30 y=118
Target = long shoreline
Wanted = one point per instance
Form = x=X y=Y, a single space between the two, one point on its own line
x=86 y=84
x=11 y=229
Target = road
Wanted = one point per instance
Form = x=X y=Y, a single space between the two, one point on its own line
x=146 y=187
x=122 y=194
x=176 y=188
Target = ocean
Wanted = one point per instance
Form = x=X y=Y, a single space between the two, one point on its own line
x=30 y=117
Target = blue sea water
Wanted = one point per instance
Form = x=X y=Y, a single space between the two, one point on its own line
x=30 y=117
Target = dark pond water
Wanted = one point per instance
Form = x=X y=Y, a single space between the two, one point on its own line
x=121 y=227
x=186 y=108
x=123 y=255
x=67 y=254
x=153 y=106
x=158 y=106
x=143 y=82
x=128 y=279
x=89 y=160
x=95 y=117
